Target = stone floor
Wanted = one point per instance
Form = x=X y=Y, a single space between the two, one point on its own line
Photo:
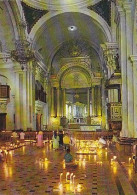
x=27 y=171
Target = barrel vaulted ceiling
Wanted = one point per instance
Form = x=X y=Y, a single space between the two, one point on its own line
x=55 y=32
x=54 y=25
x=59 y=4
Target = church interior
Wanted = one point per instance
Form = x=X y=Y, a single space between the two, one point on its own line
x=68 y=68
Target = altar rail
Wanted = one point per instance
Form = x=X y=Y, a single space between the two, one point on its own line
x=47 y=135
x=6 y=136
x=88 y=135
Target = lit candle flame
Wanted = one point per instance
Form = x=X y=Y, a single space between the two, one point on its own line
x=61 y=177
x=67 y=175
x=71 y=177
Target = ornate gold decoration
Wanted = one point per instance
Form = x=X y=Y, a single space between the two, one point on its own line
x=75 y=50
x=76 y=96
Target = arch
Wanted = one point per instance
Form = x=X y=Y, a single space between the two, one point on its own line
x=12 y=17
x=52 y=55
x=84 y=67
x=3 y=79
x=37 y=28
x=75 y=77
x=58 y=5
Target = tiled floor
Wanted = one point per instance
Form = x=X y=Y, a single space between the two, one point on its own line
x=27 y=172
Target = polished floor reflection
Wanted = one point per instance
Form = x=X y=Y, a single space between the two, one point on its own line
x=30 y=170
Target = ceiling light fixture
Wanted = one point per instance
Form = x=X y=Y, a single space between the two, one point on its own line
x=72 y=28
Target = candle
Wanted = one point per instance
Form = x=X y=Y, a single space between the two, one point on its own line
x=111 y=161
x=67 y=175
x=61 y=177
x=79 y=188
x=71 y=177
x=60 y=186
x=129 y=159
x=114 y=157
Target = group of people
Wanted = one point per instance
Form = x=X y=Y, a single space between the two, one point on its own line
x=58 y=140
x=15 y=137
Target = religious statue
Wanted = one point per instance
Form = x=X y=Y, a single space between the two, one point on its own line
x=117 y=61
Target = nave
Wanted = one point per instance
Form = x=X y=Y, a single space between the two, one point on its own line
x=31 y=170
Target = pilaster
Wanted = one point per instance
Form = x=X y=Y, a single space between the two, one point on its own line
x=124 y=90
x=133 y=59
x=127 y=9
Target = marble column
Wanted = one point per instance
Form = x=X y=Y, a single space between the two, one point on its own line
x=52 y=101
x=88 y=101
x=134 y=61
x=28 y=98
x=88 y=107
x=72 y=111
x=104 y=109
x=64 y=103
x=127 y=8
x=58 y=101
x=17 y=102
x=21 y=99
x=33 y=102
x=98 y=101
x=31 y=99
x=93 y=101
x=24 y=112
x=122 y=32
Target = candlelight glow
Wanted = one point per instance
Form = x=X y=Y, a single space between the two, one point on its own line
x=67 y=174
x=79 y=188
x=61 y=186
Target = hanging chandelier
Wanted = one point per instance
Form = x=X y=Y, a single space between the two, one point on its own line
x=22 y=52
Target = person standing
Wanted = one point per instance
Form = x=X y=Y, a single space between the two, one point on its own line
x=40 y=139
x=22 y=136
x=14 y=137
x=66 y=141
x=55 y=140
x=61 y=138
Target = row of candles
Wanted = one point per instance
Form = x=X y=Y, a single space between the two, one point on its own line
x=115 y=157
x=69 y=176
x=12 y=146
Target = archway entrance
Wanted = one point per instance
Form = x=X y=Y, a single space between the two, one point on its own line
x=77 y=95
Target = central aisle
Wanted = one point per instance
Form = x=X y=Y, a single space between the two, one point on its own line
x=28 y=172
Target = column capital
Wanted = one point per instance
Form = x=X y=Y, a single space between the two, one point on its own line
x=133 y=58
x=110 y=51
x=127 y=7
x=120 y=11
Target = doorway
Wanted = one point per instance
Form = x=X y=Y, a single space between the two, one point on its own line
x=38 y=122
x=2 y=121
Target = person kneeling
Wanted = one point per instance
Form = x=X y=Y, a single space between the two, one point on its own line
x=68 y=157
